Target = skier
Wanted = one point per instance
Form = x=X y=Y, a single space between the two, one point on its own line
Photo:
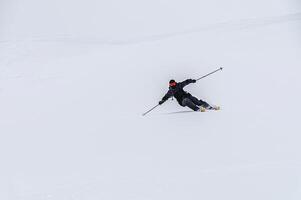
x=184 y=98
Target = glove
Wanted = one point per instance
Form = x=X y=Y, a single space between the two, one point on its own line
x=193 y=80
x=161 y=102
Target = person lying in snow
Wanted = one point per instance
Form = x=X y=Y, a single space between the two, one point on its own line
x=184 y=98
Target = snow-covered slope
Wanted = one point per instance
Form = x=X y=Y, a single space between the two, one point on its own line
x=76 y=77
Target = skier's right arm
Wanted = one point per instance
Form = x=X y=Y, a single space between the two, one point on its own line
x=166 y=96
x=187 y=82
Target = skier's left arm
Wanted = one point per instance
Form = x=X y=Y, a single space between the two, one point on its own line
x=187 y=82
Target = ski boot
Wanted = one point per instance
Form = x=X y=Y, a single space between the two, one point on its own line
x=201 y=109
x=213 y=108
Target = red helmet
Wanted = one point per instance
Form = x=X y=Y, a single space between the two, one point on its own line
x=172 y=83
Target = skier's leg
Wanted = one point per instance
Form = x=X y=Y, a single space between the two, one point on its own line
x=190 y=104
x=200 y=102
x=204 y=104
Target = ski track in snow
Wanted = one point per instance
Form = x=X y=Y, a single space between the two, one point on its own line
x=223 y=26
x=15 y=45
x=189 y=111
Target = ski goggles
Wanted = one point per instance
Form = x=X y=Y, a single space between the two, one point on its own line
x=172 y=84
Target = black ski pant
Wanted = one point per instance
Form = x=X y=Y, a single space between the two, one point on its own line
x=193 y=103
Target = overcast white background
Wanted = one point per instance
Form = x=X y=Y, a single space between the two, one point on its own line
x=75 y=77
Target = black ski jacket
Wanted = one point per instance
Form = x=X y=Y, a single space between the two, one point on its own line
x=178 y=91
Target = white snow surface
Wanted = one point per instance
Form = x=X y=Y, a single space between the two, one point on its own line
x=75 y=77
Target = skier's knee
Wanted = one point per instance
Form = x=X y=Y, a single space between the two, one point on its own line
x=186 y=102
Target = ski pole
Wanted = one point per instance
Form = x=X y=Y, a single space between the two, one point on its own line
x=210 y=73
x=150 y=110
